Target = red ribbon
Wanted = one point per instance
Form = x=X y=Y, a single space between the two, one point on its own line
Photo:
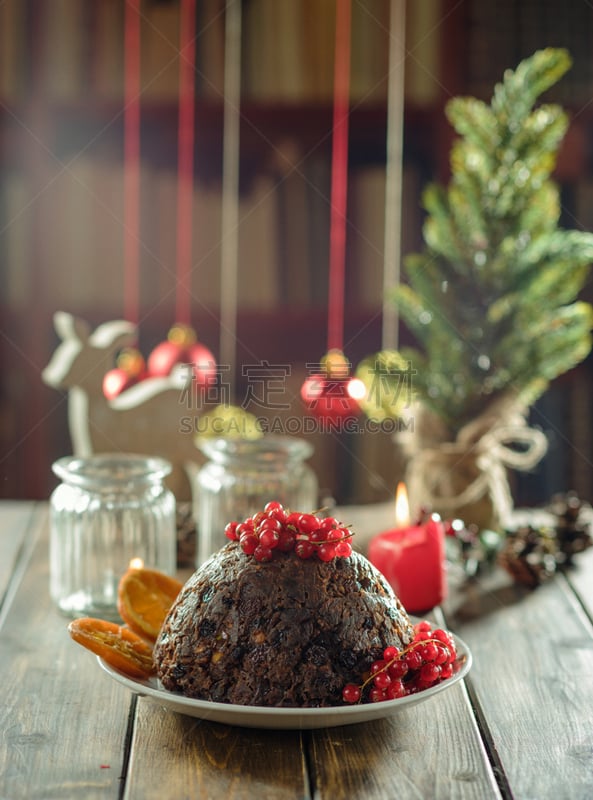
x=185 y=181
x=131 y=159
x=339 y=182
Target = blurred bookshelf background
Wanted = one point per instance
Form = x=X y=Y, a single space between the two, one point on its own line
x=61 y=192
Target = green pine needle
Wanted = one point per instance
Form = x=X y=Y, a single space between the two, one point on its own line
x=492 y=299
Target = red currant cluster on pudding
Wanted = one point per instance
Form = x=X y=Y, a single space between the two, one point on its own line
x=431 y=657
x=278 y=529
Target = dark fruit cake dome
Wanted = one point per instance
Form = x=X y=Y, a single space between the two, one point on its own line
x=285 y=615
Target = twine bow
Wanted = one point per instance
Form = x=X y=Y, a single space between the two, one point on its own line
x=483 y=449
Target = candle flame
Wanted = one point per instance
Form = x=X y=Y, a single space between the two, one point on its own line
x=402 y=506
x=136 y=563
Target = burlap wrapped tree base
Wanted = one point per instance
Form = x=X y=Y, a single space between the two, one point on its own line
x=468 y=477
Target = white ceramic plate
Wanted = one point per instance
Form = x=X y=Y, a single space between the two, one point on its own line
x=287 y=718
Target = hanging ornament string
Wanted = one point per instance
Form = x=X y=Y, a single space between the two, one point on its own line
x=339 y=182
x=393 y=170
x=131 y=159
x=229 y=255
x=129 y=366
x=181 y=346
x=332 y=394
x=186 y=137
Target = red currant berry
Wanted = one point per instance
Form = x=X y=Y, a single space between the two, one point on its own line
x=279 y=515
x=451 y=650
x=328 y=524
x=390 y=653
x=245 y=527
x=446 y=671
x=293 y=519
x=382 y=680
x=444 y=637
x=317 y=536
x=413 y=659
x=423 y=625
x=351 y=693
x=398 y=669
x=430 y=673
x=230 y=531
x=428 y=651
x=396 y=689
x=344 y=549
x=304 y=549
x=287 y=540
x=377 y=666
x=249 y=542
x=269 y=524
x=273 y=505
x=376 y=695
x=269 y=538
x=307 y=523
x=333 y=535
x=326 y=552
x=257 y=518
x=442 y=655
x=262 y=553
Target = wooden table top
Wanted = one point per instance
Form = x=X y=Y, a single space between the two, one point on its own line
x=519 y=726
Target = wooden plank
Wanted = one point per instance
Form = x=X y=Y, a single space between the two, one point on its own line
x=532 y=681
x=406 y=756
x=62 y=721
x=177 y=756
x=15 y=518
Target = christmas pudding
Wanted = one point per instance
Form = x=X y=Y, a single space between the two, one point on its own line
x=285 y=615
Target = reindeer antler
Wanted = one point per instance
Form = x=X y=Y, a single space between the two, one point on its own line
x=83 y=355
x=69 y=327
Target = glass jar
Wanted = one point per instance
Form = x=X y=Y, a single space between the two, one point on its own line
x=111 y=511
x=241 y=476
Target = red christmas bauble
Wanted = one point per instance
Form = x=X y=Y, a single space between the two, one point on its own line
x=332 y=394
x=203 y=363
x=330 y=398
x=164 y=357
x=181 y=348
x=129 y=369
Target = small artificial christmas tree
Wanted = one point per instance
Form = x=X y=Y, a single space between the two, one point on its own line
x=492 y=298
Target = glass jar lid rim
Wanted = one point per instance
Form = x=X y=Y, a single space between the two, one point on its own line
x=108 y=469
x=266 y=446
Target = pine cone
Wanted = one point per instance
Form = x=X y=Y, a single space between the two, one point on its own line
x=529 y=555
x=572 y=531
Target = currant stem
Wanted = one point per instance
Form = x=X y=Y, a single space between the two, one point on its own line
x=398 y=657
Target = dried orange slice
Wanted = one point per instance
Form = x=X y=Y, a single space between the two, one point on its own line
x=117 y=645
x=144 y=597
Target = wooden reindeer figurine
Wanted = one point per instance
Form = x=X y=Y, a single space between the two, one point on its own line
x=155 y=416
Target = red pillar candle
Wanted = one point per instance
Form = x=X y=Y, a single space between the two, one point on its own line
x=412 y=558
